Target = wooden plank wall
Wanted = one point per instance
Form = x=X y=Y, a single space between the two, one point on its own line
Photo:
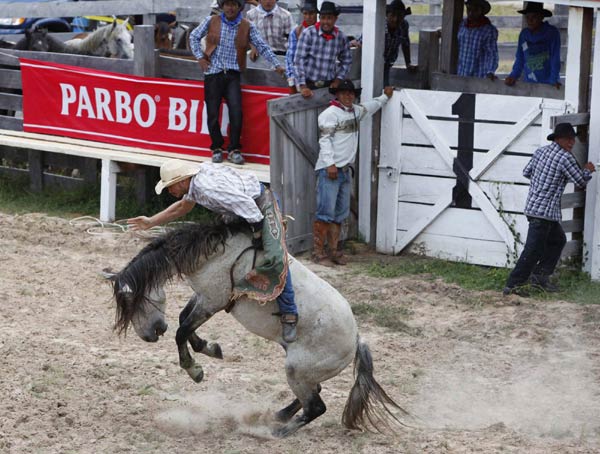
x=424 y=178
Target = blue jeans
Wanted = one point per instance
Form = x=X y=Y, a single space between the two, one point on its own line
x=333 y=196
x=544 y=244
x=287 y=299
x=216 y=87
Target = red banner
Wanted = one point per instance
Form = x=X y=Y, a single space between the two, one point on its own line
x=157 y=114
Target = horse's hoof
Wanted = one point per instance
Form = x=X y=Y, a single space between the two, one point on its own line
x=215 y=351
x=196 y=373
x=284 y=431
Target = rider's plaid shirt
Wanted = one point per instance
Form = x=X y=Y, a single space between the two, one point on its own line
x=226 y=191
x=319 y=59
x=224 y=57
x=550 y=169
x=477 y=50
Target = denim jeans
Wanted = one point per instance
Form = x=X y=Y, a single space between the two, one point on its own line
x=333 y=196
x=216 y=87
x=544 y=244
x=287 y=299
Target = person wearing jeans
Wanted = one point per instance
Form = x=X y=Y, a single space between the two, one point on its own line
x=338 y=142
x=222 y=59
x=549 y=170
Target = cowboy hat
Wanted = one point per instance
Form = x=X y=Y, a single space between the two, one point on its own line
x=562 y=130
x=535 y=8
x=173 y=171
x=329 y=8
x=345 y=85
x=397 y=7
x=483 y=4
x=242 y=3
x=308 y=7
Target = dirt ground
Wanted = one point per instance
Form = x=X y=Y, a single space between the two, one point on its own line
x=481 y=373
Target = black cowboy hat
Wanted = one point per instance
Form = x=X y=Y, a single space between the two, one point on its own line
x=309 y=7
x=345 y=85
x=329 y=8
x=483 y=4
x=562 y=130
x=397 y=7
x=535 y=8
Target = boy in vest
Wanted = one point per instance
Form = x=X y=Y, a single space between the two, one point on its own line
x=309 y=15
x=228 y=36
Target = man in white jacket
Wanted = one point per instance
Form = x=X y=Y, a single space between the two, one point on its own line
x=338 y=142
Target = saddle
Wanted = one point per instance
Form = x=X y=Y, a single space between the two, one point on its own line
x=265 y=282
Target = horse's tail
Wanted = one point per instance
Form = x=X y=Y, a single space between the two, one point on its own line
x=368 y=402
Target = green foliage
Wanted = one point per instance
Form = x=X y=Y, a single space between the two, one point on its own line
x=575 y=285
x=16 y=197
x=387 y=316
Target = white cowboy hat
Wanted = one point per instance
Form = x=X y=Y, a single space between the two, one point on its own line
x=173 y=171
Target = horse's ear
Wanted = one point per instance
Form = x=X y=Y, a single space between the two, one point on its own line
x=114 y=24
x=173 y=24
x=126 y=21
x=109 y=274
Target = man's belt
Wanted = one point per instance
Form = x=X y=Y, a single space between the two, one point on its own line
x=318 y=83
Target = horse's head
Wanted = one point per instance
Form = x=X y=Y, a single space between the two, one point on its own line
x=119 y=41
x=38 y=40
x=139 y=296
x=163 y=35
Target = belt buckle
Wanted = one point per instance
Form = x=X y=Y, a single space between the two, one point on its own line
x=320 y=83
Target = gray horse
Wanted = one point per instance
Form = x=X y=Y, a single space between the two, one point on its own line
x=211 y=258
x=112 y=40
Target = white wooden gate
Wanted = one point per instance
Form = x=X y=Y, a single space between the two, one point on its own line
x=450 y=182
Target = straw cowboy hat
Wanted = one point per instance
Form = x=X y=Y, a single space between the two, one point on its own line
x=483 y=4
x=242 y=3
x=535 y=8
x=174 y=171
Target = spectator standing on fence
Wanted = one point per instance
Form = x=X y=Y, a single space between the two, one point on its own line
x=338 y=142
x=396 y=36
x=222 y=61
x=273 y=23
x=309 y=15
x=323 y=56
x=477 y=42
x=538 y=50
x=549 y=170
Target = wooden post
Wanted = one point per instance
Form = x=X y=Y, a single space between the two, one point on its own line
x=452 y=14
x=591 y=238
x=36 y=170
x=108 y=190
x=372 y=84
x=429 y=54
x=145 y=58
x=579 y=57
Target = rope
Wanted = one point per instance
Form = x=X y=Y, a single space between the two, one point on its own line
x=97 y=227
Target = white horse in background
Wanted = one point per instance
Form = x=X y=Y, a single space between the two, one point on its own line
x=112 y=40
x=212 y=258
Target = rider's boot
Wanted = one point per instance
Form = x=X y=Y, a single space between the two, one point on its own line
x=333 y=239
x=288 y=327
x=319 y=255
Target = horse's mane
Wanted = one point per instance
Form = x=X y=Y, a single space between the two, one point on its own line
x=92 y=41
x=176 y=251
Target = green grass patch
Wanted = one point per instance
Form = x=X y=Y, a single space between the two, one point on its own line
x=575 y=285
x=17 y=198
x=391 y=317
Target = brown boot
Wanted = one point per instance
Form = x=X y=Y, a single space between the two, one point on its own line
x=319 y=255
x=333 y=238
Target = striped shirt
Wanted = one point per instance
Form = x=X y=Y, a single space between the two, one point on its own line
x=290 y=54
x=477 y=50
x=224 y=56
x=549 y=170
x=274 y=26
x=320 y=59
x=226 y=191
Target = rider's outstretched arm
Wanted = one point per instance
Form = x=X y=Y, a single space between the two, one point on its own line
x=174 y=211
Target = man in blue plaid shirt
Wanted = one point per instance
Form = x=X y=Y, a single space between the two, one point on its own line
x=228 y=36
x=477 y=42
x=549 y=170
x=323 y=56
